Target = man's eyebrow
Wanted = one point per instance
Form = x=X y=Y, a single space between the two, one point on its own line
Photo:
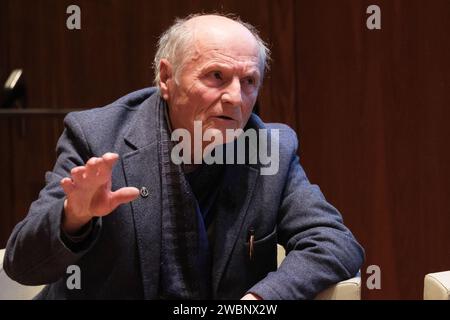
x=212 y=65
x=252 y=71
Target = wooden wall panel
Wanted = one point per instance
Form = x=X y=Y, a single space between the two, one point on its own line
x=28 y=150
x=33 y=150
x=373 y=118
x=6 y=198
x=111 y=54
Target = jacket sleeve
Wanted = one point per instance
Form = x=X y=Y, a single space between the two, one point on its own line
x=320 y=250
x=38 y=252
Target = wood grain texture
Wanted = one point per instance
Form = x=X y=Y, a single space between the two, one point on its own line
x=373 y=120
x=28 y=150
x=6 y=194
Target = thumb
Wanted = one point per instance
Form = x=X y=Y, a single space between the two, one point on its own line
x=123 y=195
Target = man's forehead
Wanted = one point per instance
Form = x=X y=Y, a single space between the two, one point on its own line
x=222 y=35
x=209 y=50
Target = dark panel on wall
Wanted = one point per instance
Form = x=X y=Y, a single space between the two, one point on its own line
x=6 y=197
x=112 y=53
x=373 y=119
x=28 y=150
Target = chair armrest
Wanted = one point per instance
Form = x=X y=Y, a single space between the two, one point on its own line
x=345 y=290
x=11 y=290
x=437 y=286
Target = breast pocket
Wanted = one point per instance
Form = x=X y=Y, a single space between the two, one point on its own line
x=262 y=258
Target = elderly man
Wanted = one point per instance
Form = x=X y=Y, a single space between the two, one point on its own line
x=140 y=226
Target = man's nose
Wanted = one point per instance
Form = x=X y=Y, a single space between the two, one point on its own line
x=232 y=94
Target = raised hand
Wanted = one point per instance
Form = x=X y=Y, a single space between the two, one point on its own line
x=89 y=194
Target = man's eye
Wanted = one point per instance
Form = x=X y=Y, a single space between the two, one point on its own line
x=250 y=81
x=217 y=75
x=214 y=79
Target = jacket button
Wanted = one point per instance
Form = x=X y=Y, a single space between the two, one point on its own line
x=144 y=192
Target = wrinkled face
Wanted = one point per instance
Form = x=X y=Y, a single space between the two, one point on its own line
x=218 y=84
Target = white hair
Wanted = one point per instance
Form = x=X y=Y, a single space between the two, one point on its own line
x=176 y=44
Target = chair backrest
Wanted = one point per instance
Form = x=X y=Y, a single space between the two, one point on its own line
x=12 y=290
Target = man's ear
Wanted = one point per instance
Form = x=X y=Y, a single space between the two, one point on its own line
x=165 y=76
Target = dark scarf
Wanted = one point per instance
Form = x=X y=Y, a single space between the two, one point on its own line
x=185 y=261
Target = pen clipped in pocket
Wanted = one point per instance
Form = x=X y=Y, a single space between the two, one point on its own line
x=262 y=251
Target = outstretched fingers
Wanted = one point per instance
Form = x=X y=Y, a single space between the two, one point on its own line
x=97 y=170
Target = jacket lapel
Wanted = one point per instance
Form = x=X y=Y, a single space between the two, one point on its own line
x=141 y=170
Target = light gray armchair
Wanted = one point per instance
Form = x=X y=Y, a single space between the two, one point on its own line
x=11 y=290
x=437 y=286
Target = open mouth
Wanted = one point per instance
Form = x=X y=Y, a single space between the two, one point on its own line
x=225 y=117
